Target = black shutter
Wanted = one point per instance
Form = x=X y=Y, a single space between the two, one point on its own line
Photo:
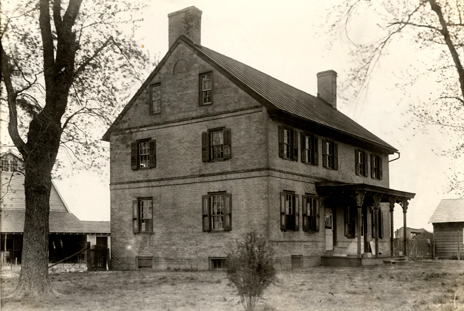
x=316 y=209
x=380 y=168
x=227 y=144
x=303 y=147
x=347 y=217
x=295 y=145
x=135 y=216
x=335 y=156
x=372 y=165
x=305 y=212
x=315 y=146
x=150 y=99
x=152 y=153
x=297 y=212
x=134 y=158
x=205 y=146
x=228 y=212
x=281 y=141
x=205 y=213
x=324 y=154
x=366 y=166
x=283 y=216
x=356 y=161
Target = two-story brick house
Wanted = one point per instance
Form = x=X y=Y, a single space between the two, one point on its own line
x=210 y=148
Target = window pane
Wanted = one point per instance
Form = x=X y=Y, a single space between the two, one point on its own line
x=144 y=154
x=217 y=144
x=217 y=211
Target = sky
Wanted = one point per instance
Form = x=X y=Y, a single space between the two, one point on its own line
x=289 y=41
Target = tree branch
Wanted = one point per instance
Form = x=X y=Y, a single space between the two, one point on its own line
x=95 y=54
x=47 y=39
x=13 y=113
x=446 y=35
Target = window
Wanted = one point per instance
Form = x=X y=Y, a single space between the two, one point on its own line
x=216 y=145
x=361 y=162
x=155 y=98
x=350 y=221
x=310 y=213
x=289 y=211
x=217 y=263
x=288 y=143
x=206 y=87
x=144 y=262
x=217 y=212
x=376 y=166
x=309 y=150
x=9 y=165
x=379 y=223
x=330 y=154
x=142 y=219
x=143 y=154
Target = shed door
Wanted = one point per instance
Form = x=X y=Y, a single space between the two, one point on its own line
x=328 y=229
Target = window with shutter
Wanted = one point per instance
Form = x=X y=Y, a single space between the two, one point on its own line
x=329 y=154
x=360 y=162
x=142 y=211
x=309 y=148
x=310 y=213
x=289 y=211
x=217 y=212
x=379 y=228
x=143 y=154
x=216 y=145
x=206 y=89
x=376 y=166
x=288 y=143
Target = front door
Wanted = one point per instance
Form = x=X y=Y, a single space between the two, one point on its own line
x=328 y=229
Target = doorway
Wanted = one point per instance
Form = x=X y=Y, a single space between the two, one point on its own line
x=329 y=224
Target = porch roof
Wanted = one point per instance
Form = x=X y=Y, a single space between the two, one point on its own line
x=331 y=188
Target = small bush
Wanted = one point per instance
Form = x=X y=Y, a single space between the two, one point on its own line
x=250 y=268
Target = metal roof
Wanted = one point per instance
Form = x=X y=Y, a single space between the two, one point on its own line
x=273 y=94
x=449 y=210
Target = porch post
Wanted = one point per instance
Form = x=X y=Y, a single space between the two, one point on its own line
x=392 y=207
x=359 y=202
x=405 y=204
x=376 y=223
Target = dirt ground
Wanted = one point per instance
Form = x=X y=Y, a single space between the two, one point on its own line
x=420 y=285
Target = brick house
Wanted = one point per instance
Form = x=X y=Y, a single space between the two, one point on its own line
x=210 y=148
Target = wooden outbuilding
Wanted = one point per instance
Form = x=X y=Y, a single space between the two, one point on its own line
x=448 y=228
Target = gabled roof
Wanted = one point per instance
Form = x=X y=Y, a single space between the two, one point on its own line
x=449 y=210
x=12 y=221
x=275 y=95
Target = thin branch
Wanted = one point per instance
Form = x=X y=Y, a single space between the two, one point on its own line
x=95 y=54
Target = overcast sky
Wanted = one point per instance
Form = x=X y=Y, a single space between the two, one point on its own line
x=288 y=40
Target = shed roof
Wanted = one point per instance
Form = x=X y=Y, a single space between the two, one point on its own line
x=274 y=95
x=12 y=221
x=449 y=210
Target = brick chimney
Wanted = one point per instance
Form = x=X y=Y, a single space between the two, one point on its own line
x=185 y=22
x=327 y=87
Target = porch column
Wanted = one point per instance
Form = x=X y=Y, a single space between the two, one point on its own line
x=376 y=223
x=392 y=207
x=359 y=201
x=404 y=204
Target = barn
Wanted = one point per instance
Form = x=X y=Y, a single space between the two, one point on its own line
x=448 y=228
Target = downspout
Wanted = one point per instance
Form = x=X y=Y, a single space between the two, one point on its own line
x=399 y=156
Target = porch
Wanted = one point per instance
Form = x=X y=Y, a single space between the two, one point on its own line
x=355 y=217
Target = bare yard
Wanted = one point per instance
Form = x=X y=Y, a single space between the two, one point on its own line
x=423 y=285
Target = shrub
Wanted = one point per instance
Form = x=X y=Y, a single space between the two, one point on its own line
x=250 y=268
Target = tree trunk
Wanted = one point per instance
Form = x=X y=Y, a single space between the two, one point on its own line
x=43 y=142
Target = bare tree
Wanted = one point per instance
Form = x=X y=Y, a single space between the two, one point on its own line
x=434 y=26
x=63 y=65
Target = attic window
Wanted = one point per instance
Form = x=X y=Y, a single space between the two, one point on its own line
x=155 y=98
x=206 y=88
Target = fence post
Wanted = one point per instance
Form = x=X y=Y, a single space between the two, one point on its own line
x=87 y=254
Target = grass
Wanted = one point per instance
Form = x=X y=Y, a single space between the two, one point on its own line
x=423 y=285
